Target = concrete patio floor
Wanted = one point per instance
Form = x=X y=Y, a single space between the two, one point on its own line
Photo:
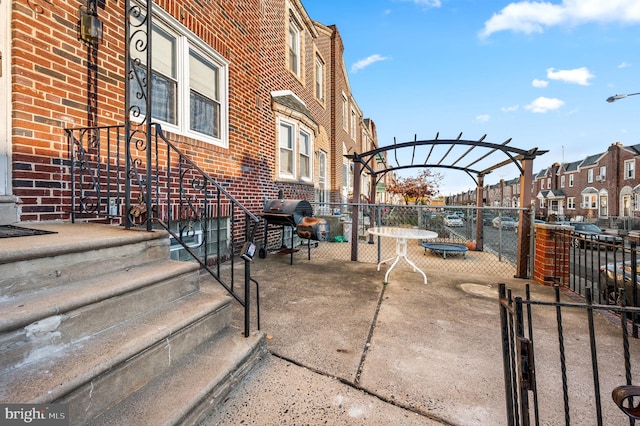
x=346 y=349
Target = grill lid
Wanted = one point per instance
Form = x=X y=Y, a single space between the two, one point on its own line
x=290 y=207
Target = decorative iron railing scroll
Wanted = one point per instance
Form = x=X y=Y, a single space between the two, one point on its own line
x=109 y=184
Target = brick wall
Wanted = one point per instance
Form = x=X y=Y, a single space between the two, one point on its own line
x=50 y=92
x=551 y=264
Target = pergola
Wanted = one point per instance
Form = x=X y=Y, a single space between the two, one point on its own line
x=467 y=156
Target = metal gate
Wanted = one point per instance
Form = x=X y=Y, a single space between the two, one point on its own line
x=568 y=362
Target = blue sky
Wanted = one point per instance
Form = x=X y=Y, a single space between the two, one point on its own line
x=536 y=72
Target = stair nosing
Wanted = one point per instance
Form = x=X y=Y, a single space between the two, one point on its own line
x=134 y=236
x=107 y=360
x=246 y=348
x=12 y=322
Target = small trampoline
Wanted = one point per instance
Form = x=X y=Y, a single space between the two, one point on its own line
x=445 y=248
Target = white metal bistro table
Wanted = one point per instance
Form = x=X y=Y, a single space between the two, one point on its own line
x=402 y=235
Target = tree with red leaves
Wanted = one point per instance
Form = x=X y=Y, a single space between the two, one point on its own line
x=418 y=189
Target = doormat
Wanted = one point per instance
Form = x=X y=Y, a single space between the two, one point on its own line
x=10 y=231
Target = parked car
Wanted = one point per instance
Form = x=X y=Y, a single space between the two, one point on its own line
x=504 y=222
x=590 y=235
x=486 y=217
x=534 y=221
x=615 y=276
x=453 y=220
x=459 y=214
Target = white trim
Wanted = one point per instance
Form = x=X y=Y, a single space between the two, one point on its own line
x=185 y=40
x=287 y=92
x=5 y=99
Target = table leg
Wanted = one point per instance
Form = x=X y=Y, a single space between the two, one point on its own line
x=401 y=251
x=386 y=260
x=386 y=276
x=415 y=268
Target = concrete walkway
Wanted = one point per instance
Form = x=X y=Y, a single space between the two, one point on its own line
x=346 y=349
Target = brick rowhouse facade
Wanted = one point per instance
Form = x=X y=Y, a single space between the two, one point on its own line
x=604 y=185
x=50 y=92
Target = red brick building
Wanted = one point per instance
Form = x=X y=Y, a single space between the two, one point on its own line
x=256 y=93
x=604 y=185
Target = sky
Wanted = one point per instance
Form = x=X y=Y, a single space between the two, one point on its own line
x=535 y=72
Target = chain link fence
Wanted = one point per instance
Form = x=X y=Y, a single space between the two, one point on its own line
x=455 y=225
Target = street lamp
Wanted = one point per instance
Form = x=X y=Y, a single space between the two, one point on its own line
x=616 y=97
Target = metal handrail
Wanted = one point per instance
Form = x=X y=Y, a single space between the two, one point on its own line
x=170 y=191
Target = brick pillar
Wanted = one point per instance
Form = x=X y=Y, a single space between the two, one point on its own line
x=551 y=260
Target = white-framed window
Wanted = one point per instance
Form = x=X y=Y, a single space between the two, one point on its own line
x=345 y=112
x=295 y=143
x=590 y=176
x=603 y=172
x=542 y=203
x=571 y=178
x=319 y=86
x=542 y=184
x=322 y=194
x=571 y=203
x=294 y=46
x=286 y=158
x=629 y=169
x=562 y=181
x=305 y=155
x=549 y=183
x=189 y=83
x=354 y=124
x=589 y=201
x=347 y=174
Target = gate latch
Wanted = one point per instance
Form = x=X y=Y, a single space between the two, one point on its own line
x=526 y=372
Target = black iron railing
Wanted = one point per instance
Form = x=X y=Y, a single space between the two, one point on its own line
x=532 y=400
x=148 y=182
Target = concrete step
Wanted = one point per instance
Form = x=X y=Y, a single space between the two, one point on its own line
x=53 y=318
x=48 y=261
x=96 y=373
x=99 y=317
x=187 y=393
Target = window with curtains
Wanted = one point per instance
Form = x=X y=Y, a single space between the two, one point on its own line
x=188 y=83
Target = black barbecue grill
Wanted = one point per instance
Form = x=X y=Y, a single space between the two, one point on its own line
x=298 y=215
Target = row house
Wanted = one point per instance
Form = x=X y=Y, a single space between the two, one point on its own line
x=256 y=92
x=602 y=185
x=505 y=193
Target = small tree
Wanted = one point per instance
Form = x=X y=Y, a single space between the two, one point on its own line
x=419 y=189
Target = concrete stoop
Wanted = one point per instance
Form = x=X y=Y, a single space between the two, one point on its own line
x=105 y=321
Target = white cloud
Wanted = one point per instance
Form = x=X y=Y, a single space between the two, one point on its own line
x=579 y=76
x=427 y=3
x=539 y=83
x=483 y=118
x=512 y=108
x=624 y=64
x=363 y=63
x=543 y=105
x=534 y=16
